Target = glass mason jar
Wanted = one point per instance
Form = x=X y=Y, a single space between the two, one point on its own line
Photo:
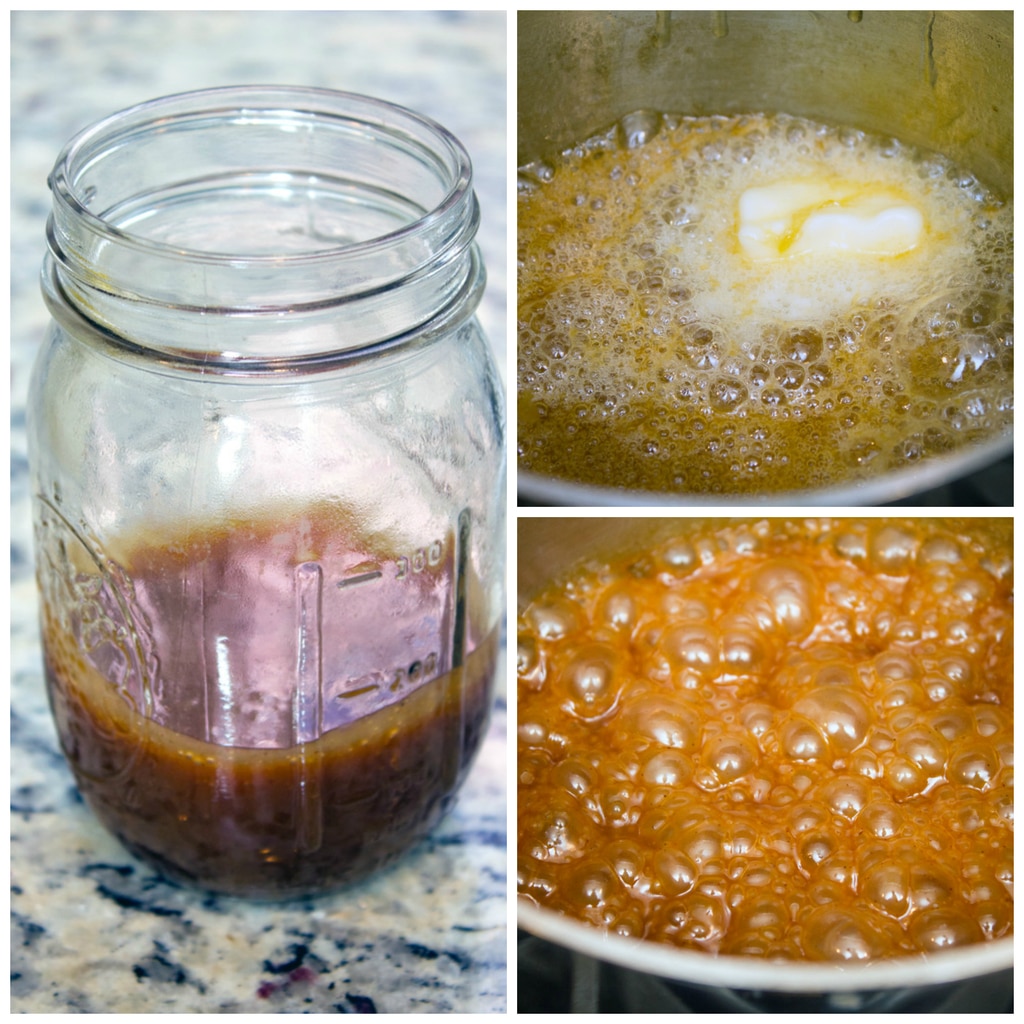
x=267 y=449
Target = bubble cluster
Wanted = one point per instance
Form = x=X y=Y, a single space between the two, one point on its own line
x=779 y=738
x=654 y=354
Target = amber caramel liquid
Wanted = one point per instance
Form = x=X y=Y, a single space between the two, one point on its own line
x=274 y=822
x=260 y=819
x=778 y=739
x=655 y=355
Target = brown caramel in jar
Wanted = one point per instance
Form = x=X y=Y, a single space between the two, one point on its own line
x=785 y=739
x=250 y=815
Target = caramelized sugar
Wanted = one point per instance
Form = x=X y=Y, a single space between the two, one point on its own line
x=778 y=739
x=257 y=817
x=656 y=353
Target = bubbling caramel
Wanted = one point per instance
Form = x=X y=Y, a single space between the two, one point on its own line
x=757 y=304
x=786 y=739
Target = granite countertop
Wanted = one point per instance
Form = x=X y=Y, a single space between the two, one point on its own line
x=93 y=929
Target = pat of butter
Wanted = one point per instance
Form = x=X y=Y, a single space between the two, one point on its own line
x=814 y=217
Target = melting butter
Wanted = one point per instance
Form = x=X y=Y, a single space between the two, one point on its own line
x=812 y=216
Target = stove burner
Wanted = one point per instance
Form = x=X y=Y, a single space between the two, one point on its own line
x=556 y=980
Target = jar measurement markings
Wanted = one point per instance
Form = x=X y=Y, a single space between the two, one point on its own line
x=363 y=577
x=421 y=559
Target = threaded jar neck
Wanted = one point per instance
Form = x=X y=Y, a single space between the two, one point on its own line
x=260 y=225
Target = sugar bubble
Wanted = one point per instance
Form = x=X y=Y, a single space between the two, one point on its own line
x=839 y=713
x=791 y=592
x=845 y=934
x=944 y=928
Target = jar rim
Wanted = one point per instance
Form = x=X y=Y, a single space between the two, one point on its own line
x=114 y=127
x=246 y=224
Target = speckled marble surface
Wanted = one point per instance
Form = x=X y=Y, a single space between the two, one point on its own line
x=93 y=929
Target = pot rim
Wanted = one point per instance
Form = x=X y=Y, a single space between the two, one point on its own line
x=738 y=972
x=892 y=486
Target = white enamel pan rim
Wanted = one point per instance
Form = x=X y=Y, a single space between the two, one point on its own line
x=752 y=973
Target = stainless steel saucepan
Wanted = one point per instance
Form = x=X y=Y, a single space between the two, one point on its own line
x=942 y=80
x=547 y=548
